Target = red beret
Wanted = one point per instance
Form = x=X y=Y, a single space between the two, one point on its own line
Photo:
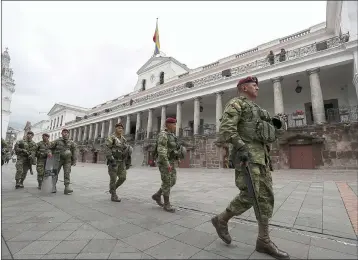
x=65 y=130
x=170 y=120
x=248 y=79
x=119 y=125
x=46 y=135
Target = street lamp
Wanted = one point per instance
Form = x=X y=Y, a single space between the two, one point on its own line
x=298 y=88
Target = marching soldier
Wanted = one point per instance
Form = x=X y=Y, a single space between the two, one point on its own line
x=65 y=152
x=250 y=129
x=25 y=151
x=41 y=154
x=168 y=152
x=3 y=151
x=118 y=154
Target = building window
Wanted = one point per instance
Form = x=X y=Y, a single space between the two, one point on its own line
x=161 y=78
x=58 y=121
x=54 y=123
x=143 y=84
x=61 y=119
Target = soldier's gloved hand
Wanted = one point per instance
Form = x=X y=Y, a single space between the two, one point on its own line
x=73 y=163
x=49 y=155
x=276 y=121
x=127 y=166
x=243 y=154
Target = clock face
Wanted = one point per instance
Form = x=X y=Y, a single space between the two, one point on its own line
x=152 y=78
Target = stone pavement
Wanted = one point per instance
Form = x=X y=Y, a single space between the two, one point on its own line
x=310 y=221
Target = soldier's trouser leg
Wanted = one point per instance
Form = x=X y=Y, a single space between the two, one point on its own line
x=262 y=182
x=19 y=168
x=173 y=179
x=166 y=177
x=25 y=168
x=112 y=172
x=40 y=168
x=66 y=177
x=121 y=174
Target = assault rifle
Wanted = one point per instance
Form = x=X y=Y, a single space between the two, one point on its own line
x=250 y=185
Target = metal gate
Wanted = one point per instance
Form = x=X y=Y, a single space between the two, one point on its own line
x=301 y=157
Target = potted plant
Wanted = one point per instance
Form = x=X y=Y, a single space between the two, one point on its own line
x=298 y=114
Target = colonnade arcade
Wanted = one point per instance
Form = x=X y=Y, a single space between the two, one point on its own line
x=271 y=98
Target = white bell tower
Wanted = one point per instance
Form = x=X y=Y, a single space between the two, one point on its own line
x=7 y=89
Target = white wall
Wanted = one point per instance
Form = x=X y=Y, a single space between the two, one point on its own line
x=349 y=14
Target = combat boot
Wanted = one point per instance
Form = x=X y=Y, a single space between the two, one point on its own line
x=67 y=190
x=220 y=222
x=21 y=183
x=167 y=206
x=17 y=185
x=157 y=197
x=266 y=246
x=40 y=184
x=114 y=197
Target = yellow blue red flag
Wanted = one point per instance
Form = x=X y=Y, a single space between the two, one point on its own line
x=156 y=40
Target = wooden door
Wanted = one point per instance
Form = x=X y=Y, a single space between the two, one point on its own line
x=185 y=163
x=301 y=157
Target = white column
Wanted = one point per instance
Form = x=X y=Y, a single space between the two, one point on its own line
x=355 y=71
x=163 y=117
x=110 y=127
x=316 y=96
x=70 y=134
x=277 y=95
x=102 y=130
x=85 y=133
x=90 y=132
x=150 y=123
x=96 y=132
x=119 y=120
x=74 y=135
x=79 y=134
x=219 y=109
x=128 y=125
x=138 y=125
x=178 y=117
x=196 y=115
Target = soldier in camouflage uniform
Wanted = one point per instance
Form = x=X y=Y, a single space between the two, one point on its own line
x=66 y=152
x=241 y=125
x=41 y=155
x=25 y=151
x=3 y=151
x=118 y=154
x=169 y=152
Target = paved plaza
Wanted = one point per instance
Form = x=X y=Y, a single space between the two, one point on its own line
x=315 y=216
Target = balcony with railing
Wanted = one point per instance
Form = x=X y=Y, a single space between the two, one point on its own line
x=217 y=77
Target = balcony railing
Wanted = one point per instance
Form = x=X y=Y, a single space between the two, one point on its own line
x=342 y=114
x=235 y=71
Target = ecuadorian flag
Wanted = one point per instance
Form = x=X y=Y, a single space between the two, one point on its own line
x=156 y=40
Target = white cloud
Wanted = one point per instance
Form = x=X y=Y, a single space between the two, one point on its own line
x=85 y=53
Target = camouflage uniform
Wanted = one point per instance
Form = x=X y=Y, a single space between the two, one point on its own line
x=250 y=128
x=25 y=151
x=168 y=153
x=41 y=154
x=3 y=150
x=65 y=151
x=117 y=154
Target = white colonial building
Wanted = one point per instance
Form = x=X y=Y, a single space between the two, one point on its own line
x=7 y=90
x=312 y=78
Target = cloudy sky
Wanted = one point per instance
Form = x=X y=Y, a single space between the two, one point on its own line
x=85 y=53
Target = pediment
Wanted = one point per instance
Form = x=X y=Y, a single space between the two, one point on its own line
x=157 y=61
x=55 y=108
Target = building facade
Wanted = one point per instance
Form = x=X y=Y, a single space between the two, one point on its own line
x=7 y=90
x=311 y=78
